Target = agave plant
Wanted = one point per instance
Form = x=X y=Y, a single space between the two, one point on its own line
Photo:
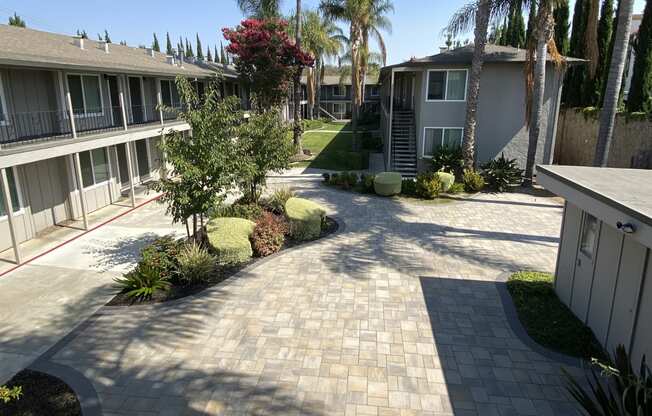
x=614 y=389
x=142 y=282
x=500 y=174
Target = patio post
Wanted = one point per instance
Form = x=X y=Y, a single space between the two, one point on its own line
x=122 y=108
x=10 y=215
x=130 y=171
x=159 y=98
x=391 y=115
x=71 y=115
x=80 y=188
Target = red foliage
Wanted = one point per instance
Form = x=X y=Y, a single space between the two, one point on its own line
x=269 y=234
x=266 y=57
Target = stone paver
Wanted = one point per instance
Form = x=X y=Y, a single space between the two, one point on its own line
x=398 y=314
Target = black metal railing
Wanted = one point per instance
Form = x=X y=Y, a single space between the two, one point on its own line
x=99 y=121
x=34 y=125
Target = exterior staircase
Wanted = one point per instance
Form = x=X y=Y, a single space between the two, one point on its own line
x=404 y=143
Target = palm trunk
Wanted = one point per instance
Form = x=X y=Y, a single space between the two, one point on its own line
x=544 y=30
x=310 y=84
x=612 y=92
x=298 y=129
x=318 y=86
x=470 y=123
x=355 y=83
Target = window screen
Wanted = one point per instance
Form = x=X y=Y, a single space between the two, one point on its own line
x=86 y=169
x=76 y=93
x=432 y=141
x=13 y=192
x=100 y=165
x=437 y=85
x=92 y=94
x=456 y=85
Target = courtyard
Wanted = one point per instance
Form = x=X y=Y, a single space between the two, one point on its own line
x=400 y=312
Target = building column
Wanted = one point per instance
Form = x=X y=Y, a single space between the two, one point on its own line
x=71 y=115
x=10 y=215
x=80 y=188
x=130 y=171
x=390 y=121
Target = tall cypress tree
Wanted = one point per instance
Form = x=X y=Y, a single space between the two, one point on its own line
x=605 y=35
x=561 y=15
x=168 y=47
x=189 y=51
x=200 y=52
x=502 y=40
x=17 y=21
x=155 y=44
x=515 y=35
x=530 y=22
x=572 y=94
x=216 y=55
x=640 y=90
x=107 y=38
x=209 y=56
x=223 y=55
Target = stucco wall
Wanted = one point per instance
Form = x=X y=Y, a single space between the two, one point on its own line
x=577 y=135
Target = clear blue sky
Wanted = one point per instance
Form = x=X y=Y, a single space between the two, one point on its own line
x=416 y=32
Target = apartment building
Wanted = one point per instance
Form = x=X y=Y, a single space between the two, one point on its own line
x=80 y=121
x=336 y=96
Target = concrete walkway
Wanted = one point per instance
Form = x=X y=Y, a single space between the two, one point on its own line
x=44 y=300
x=398 y=314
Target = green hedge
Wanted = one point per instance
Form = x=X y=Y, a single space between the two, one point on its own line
x=305 y=218
x=229 y=237
x=388 y=183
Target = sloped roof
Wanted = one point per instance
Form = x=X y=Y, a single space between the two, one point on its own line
x=29 y=47
x=464 y=54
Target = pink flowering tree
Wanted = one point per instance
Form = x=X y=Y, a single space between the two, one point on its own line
x=266 y=58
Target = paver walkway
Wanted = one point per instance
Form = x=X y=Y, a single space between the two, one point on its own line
x=398 y=314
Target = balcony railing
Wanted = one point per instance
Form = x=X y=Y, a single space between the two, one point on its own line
x=38 y=126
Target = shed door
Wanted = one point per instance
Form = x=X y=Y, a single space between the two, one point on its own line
x=586 y=254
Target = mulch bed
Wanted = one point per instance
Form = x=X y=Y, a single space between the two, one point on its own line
x=220 y=274
x=43 y=394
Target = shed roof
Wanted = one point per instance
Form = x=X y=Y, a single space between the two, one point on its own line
x=627 y=190
x=29 y=47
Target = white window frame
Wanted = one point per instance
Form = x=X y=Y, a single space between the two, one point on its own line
x=3 y=101
x=19 y=193
x=445 y=99
x=150 y=165
x=142 y=93
x=160 y=86
x=108 y=161
x=336 y=88
x=339 y=105
x=99 y=84
x=441 y=143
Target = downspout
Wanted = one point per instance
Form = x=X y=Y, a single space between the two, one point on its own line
x=391 y=115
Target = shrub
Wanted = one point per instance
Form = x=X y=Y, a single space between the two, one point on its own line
x=456 y=188
x=347 y=180
x=409 y=187
x=8 y=394
x=277 y=201
x=162 y=255
x=195 y=264
x=428 y=185
x=367 y=182
x=247 y=210
x=334 y=179
x=229 y=237
x=269 y=234
x=500 y=174
x=388 y=183
x=327 y=177
x=448 y=159
x=371 y=141
x=473 y=181
x=142 y=282
x=446 y=179
x=305 y=218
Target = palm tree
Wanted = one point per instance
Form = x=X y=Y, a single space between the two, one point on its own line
x=612 y=91
x=298 y=126
x=366 y=18
x=477 y=14
x=260 y=9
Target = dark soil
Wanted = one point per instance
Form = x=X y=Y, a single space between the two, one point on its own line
x=220 y=274
x=43 y=394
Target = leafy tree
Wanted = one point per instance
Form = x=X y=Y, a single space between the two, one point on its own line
x=531 y=19
x=605 y=37
x=640 y=91
x=107 y=38
x=168 y=44
x=205 y=165
x=264 y=146
x=155 y=44
x=200 y=53
x=17 y=21
x=561 y=15
x=515 y=35
x=266 y=58
x=573 y=93
x=502 y=39
x=260 y=9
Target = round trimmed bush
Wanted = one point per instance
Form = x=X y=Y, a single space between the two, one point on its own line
x=305 y=218
x=229 y=237
x=388 y=183
x=446 y=179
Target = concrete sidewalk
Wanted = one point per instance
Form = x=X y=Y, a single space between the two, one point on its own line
x=44 y=300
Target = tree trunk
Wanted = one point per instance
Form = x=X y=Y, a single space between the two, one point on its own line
x=612 y=92
x=318 y=87
x=470 y=122
x=543 y=32
x=355 y=83
x=310 y=85
x=298 y=128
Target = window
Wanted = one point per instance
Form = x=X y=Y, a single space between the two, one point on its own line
x=374 y=91
x=447 y=85
x=14 y=193
x=589 y=234
x=339 y=90
x=169 y=93
x=3 y=105
x=339 y=108
x=85 y=94
x=436 y=137
x=94 y=167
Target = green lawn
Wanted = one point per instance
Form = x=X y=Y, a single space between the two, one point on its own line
x=547 y=320
x=333 y=151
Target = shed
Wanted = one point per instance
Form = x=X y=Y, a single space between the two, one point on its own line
x=604 y=266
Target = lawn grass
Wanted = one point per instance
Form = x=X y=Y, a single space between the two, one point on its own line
x=547 y=320
x=332 y=151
